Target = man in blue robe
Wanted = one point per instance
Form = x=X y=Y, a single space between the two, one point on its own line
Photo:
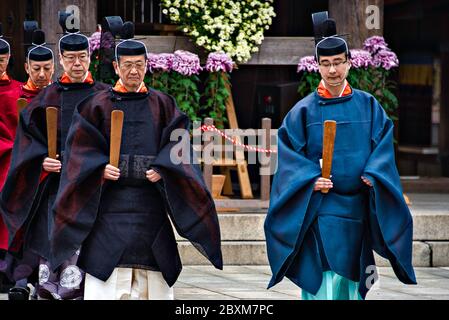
x=324 y=242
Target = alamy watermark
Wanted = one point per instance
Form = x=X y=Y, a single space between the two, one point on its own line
x=373 y=17
x=372 y=280
x=73 y=18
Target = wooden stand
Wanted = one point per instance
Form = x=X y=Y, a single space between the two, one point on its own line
x=239 y=162
x=232 y=205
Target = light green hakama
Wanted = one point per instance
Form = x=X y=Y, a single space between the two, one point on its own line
x=334 y=287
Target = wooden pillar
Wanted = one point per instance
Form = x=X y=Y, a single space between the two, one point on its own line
x=264 y=178
x=352 y=19
x=49 y=21
x=207 y=167
x=443 y=137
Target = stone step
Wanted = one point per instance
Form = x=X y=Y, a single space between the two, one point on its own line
x=430 y=216
x=425 y=185
x=243 y=238
x=241 y=226
x=234 y=253
x=428 y=225
x=425 y=254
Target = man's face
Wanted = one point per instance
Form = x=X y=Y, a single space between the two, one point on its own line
x=4 y=59
x=333 y=69
x=131 y=70
x=40 y=72
x=75 y=64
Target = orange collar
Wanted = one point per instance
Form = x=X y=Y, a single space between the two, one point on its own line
x=120 y=88
x=5 y=79
x=65 y=78
x=30 y=86
x=324 y=93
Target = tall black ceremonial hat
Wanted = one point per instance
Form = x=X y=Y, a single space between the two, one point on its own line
x=28 y=28
x=38 y=51
x=4 y=45
x=72 y=40
x=129 y=46
x=327 y=41
x=112 y=24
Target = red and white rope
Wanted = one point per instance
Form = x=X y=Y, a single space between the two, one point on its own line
x=234 y=141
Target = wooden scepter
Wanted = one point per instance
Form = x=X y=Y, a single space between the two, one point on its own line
x=329 y=131
x=52 y=130
x=116 y=137
x=21 y=104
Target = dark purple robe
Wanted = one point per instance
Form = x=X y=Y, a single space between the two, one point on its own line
x=79 y=207
x=29 y=192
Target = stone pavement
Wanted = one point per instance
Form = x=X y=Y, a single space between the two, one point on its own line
x=249 y=282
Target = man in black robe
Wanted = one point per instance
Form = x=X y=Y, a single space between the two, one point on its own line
x=120 y=216
x=33 y=178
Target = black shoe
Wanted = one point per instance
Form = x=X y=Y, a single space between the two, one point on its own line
x=5 y=284
x=19 y=293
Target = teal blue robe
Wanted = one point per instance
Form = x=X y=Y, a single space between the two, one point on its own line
x=309 y=233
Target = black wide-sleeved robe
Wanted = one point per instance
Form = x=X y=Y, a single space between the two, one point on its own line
x=126 y=223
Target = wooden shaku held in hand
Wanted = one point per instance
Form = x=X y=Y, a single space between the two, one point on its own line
x=329 y=131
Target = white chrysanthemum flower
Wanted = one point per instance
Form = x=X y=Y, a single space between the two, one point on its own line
x=233 y=26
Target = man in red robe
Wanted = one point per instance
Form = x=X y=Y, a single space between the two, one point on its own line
x=10 y=91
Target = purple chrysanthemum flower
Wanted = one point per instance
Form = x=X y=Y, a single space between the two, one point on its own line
x=160 y=62
x=374 y=44
x=361 y=59
x=94 y=41
x=186 y=63
x=308 y=64
x=217 y=61
x=386 y=59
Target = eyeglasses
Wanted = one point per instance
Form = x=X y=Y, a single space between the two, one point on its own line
x=327 y=64
x=139 y=65
x=72 y=59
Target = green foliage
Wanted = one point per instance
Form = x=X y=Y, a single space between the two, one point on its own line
x=216 y=94
x=158 y=80
x=185 y=91
x=94 y=69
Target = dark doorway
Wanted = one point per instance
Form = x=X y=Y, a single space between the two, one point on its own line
x=12 y=15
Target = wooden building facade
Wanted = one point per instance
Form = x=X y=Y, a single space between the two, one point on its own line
x=417 y=30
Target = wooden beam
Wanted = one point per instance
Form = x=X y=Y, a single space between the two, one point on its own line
x=273 y=51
